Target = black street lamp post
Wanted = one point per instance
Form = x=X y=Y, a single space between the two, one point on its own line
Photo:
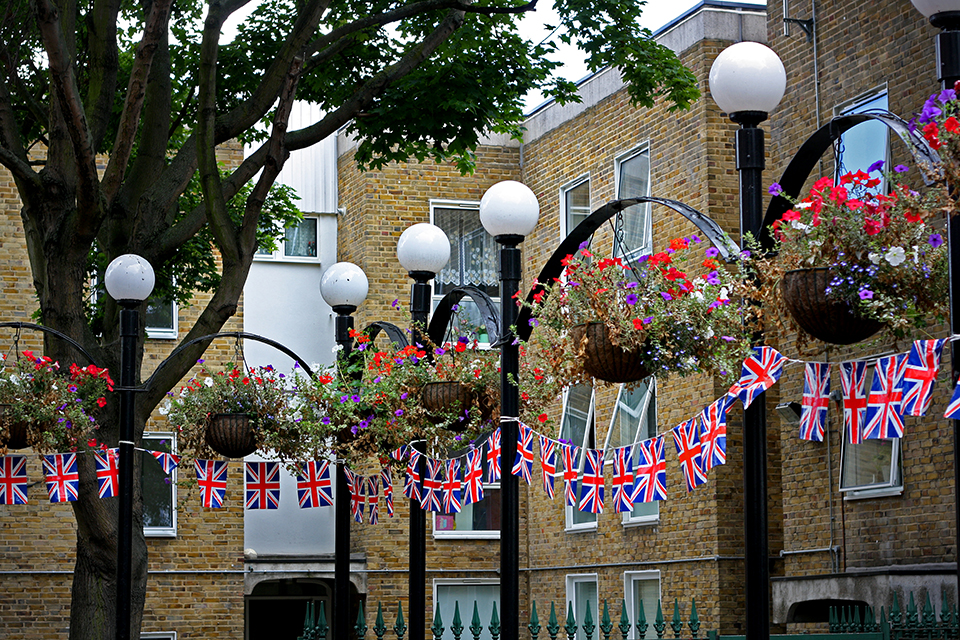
x=509 y=211
x=129 y=280
x=343 y=286
x=747 y=81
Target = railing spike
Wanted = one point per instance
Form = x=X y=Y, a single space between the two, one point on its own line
x=457 y=627
x=855 y=623
x=400 y=628
x=912 y=617
x=570 y=626
x=642 y=624
x=494 y=623
x=676 y=623
x=895 y=615
x=606 y=625
x=929 y=617
x=659 y=624
x=476 y=628
x=322 y=626
x=553 y=626
x=624 y=625
x=379 y=627
x=588 y=626
x=534 y=625
x=694 y=620
x=437 y=627
x=361 y=626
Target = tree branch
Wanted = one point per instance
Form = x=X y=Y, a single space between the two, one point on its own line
x=153 y=33
x=68 y=98
x=12 y=154
x=104 y=65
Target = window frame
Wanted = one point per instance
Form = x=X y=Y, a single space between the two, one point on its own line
x=165 y=333
x=564 y=193
x=627 y=518
x=569 y=525
x=570 y=581
x=855 y=106
x=876 y=490
x=629 y=578
x=472 y=534
x=280 y=255
x=465 y=616
x=158 y=635
x=171 y=531
x=617 y=163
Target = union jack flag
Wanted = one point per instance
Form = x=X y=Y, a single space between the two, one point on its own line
x=923 y=364
x=713 y=433
x=373 y=498
x=569 y=453
x=13 y=480
x=623 y=479
x=314 y=487
x=432 y=482
x=411 y=481
x=167 y=461
x=262 y=480
x=650 y=477
x=493 y=456
x=686 y=437
x=548 y=463
x=760 y=371
x=63 y=482
x=108 y=478
x=386 y=479
x=591 y=490
x=400 y=453
x=451 y=487
x=883 y=403
x=853 y=382
x=953 y=409
x=212 y=479
x=523 y=464
x=816 y=400
x=355 y=485
x=473 y=478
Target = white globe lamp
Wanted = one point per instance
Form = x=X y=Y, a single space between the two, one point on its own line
x=423 y=249
x=509 y=208
x=747 y=77
x=129 y=278
x=344 y=286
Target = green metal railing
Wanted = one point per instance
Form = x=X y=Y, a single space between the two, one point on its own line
x=912 y=624
x=315 y=625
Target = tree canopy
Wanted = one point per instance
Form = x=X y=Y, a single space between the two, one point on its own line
x=111 y=112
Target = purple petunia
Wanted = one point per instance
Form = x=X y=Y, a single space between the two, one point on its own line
x=325 y=420
x=647 y=320
x=713 y=277
x=398 y=412
x=439 y=352
x=865 y=294
x=395 y=303
x=935 y=240
x=631 y=299
x=946 y=96
x=900 y=168
x=745 y=254
x=713 y=252
x=666 y=296
x=775 y=189
x=876 y=166
x=355 y=398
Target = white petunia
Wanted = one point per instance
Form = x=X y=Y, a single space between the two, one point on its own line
x=875 y=257
x=895 y=256
x=208 y=382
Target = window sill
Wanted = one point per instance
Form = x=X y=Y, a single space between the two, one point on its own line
x=159 y=533
x=581 y=528
x=866 y=494
x=641 y=522
x=315 y=260
x=467 y=535
x=161 y=334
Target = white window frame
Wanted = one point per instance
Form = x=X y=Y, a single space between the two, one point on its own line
x=167 y=333
x=280 y=254
x=489 y=534
x=876 y=490
x=466 y=616
x=158 y=635
x=564 y=191
x=629 y=578
x=855 y=106
x=171 y=531
x=628 y=519
x=571 y=580
x=569 y=525
x=647 y=249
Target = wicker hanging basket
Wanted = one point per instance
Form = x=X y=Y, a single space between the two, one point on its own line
x=826 y=319
x=604 y=360
x=446 y=397
x=16 y=437
x=232 y=435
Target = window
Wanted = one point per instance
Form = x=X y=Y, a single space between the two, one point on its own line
x=447 y=594
x=867 y=142
x=582 y=594
x=161 y=318
x=158 y=635
x=635 y=419
x=477 y=520
x=473 y=261
x=871 y=468
x=634 y=225
x=641 y=591
x=299 y=243
x=159 y=489
x=575 y=202
x=578 y=427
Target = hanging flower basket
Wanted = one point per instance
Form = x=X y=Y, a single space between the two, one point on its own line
x=16 y=437
x=232 y=435
x=445 y=397
x=824 y=318
x=604 y=360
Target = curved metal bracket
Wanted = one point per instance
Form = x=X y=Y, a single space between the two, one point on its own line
x=36 y=327
x=809 y=154
x=553 y=267
x=444 y=313
x=227 y=334
x=392 y=331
